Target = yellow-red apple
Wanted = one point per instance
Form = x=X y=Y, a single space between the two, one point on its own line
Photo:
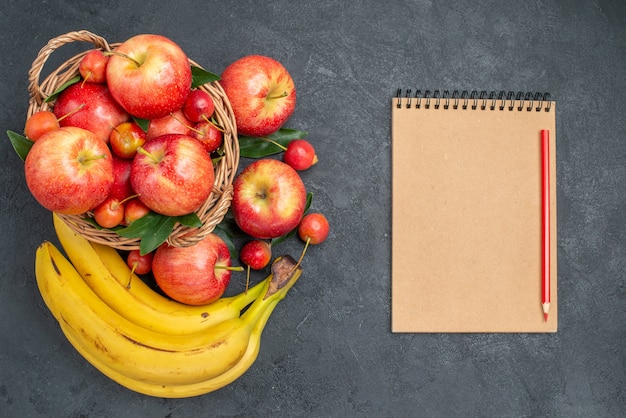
x=262 y=94
x=269 y=198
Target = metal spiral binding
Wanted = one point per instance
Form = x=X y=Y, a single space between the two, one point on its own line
x=475 y=99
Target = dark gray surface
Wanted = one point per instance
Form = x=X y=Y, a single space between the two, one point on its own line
x=328 y=350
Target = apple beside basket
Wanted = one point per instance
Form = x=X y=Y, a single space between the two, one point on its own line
x=210 y=213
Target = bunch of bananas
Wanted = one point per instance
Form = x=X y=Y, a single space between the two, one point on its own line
x=142 y=340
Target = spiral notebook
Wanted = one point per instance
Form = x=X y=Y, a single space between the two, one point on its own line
x=467 y=212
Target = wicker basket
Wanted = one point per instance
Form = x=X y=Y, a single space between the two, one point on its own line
x=210 y=213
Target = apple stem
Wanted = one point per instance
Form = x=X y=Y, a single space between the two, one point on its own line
x=119 y=54
x=213 y=122
x=142 y=150
x=95 y=157
x=231 y=268
x=71 y=112
x=278 y=96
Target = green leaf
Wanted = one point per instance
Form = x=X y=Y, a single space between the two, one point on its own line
x=259 y=147
x=157 y=236
x=278 y=240
x=190 y=220
x=21 y=144
x=143 y=123
x=65 y=85
x=200 y=76
x=152 y=229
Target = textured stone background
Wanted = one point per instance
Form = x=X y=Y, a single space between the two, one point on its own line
x=328 y=350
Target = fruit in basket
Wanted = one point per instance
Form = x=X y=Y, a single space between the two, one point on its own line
x=121 y=188
x=149 y=75
x=173 y=123
x=39 y=123
x=196 y=274
x=125 y=138
x=109 y=213
x=134 y=209
x=93 y=66
x=199 y=106
x=269 y=198
x=69 y=170
x=208 y=134
x=300 y=154
x=172 y=174
x=90 y=106
x=262 y=94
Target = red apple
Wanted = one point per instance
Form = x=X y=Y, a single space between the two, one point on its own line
x=194 y=275
x=93 y=66
x=173 y=123
x=268 y=199
x=261 y=92
x=69 y=170
x=149 y=75
x=121 y=188
x=90 y=106
x=172 y=174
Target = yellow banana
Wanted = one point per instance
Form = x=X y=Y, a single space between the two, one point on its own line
x=108 y=275
x=146 y=361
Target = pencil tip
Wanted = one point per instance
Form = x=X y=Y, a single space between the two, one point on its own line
x=545 y=317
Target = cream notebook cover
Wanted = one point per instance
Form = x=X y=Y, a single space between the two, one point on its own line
x=466 y=212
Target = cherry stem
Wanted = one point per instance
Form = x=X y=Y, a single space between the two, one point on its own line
x=71 y=112
x=306 y=245
x=132 y=272
x=271 y=141
x=231 y=268
x=247 y=279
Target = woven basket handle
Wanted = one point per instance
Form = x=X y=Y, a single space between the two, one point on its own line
x=34 y=86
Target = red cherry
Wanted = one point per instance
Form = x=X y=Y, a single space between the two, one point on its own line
x=40 y=123
x=134 y=209
x=125 y=138
x=313 y=228
x=198 y=106
x=209 y=135
x=92 y=66
x=109 y=213
x=256 y=254
x=140 y=264
x=300 y=154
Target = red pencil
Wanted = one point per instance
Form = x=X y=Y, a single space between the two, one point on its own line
x=545 y=221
